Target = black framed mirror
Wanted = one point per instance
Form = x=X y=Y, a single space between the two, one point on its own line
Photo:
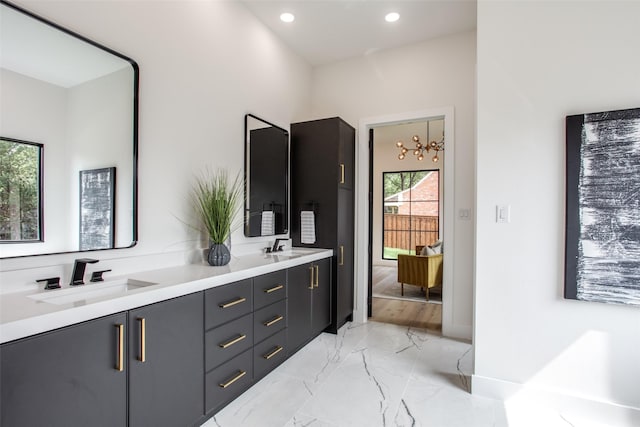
x=266 y=159
x=79 y=100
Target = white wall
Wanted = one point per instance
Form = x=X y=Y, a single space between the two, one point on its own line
x=385 y=159
x=537 y=63
x=203 y=65
x=35 y=111
x=423 y=76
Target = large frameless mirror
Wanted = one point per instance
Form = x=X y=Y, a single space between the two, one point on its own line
x=77 y=101
x=266 y=178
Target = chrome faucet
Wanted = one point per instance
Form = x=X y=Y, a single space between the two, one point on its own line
x=77 y=278
x=276 y=245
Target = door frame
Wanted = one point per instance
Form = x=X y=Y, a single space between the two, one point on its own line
x=362 y=258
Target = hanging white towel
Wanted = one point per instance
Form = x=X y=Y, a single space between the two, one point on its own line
x=307 y=227
x=267 y=226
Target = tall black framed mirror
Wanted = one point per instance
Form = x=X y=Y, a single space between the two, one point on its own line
x=79 y=101
x=266 y=178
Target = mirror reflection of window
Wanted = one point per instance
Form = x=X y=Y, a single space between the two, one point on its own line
x=20 y=191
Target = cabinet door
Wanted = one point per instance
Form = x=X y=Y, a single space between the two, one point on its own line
x=344 y=264
x=66 y=377
x=166 y=363
x=321 y=297
x=300 y=282
x=346 y=155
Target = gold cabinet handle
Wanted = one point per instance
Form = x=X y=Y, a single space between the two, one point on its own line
x=233 y=341
x=341 y=255
x=274 y=320
x=311 y=277
x=275 y=288
x=120 y=350
x=232 y=303
x=239 y=375
x=341 y=173
x=317 y=268
x=143 y=339
x=275 y=351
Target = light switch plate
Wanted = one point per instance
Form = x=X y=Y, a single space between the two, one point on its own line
x=503 y=214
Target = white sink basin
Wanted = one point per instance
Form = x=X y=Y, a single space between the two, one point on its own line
x=288 y=254
x=89 y=291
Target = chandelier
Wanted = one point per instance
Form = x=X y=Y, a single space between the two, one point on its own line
x=420 y=148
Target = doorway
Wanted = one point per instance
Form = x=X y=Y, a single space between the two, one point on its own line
x=406 y=165
x=364 y=233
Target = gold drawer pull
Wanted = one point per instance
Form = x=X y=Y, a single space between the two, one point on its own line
x=273 y=321
x=341 y=255
x=232 y=303
x=143 y=339
x=341 y=173
x=120 y=355
x=277 y=350
x=317 y=268
x=311 y=278
x=233 y=341
x=234 y=379
x=275 y=288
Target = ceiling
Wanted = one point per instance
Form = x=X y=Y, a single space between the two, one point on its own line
x=326 y=31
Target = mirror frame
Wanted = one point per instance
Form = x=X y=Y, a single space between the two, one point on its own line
x=246 y=174
x=135 y=100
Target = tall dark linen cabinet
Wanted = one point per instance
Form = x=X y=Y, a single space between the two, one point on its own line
x=322 y=180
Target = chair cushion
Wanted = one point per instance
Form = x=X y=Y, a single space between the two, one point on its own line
x=434 y=249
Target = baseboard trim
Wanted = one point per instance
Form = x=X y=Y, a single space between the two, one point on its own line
x=565 y=406
x=463 y=332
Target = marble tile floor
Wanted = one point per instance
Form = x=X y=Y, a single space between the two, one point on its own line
x=368 y=375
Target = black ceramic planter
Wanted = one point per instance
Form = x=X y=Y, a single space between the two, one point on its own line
x=218 y=254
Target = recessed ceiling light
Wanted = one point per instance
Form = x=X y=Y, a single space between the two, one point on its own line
x=287 y=17
x=392 y=17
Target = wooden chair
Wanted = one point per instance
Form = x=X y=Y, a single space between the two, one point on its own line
x=420 y=270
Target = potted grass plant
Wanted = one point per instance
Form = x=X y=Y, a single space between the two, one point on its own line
x=218 y=199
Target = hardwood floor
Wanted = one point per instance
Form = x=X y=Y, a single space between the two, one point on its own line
x=417 y=314
x=407 y=313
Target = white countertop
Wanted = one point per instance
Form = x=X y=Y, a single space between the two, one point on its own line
x=21 y=315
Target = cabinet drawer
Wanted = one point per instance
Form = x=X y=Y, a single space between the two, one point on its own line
x=228 y=340
x=269 y=353
x=269 y=288
x=229 y=380
x=269 y=320
x=227 y=302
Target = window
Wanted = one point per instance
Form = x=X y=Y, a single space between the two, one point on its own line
x=20 y=191
x=411 y=211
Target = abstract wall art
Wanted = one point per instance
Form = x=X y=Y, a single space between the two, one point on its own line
x=602 y=246
x=97 y=208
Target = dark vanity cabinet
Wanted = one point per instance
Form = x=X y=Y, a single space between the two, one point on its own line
x=173 y=363
x=82 y=375
x=67 y=377
x=165 y=365
x=322 y=180
x=245 y=335
x=309 y=302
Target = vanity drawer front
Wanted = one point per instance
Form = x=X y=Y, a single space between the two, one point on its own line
x=226 y=382
x=227 y=302
x=269 y=320
x=227 y=341
x=269 y=353
x=269 y=288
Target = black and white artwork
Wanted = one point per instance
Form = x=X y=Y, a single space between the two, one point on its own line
x=603 y=207
x=97 y=208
